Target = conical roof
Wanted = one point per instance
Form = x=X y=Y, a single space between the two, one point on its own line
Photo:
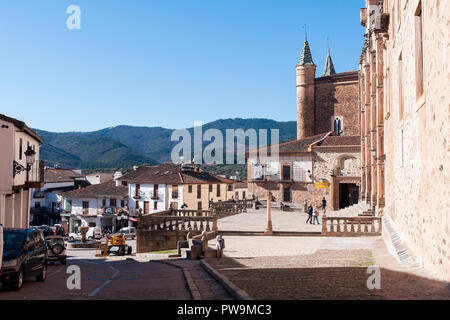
x=305 y=56
x=329 y=67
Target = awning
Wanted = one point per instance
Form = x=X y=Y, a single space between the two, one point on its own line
x=133 y=219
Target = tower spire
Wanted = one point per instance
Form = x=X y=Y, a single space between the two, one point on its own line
x=329 y=66
x=305 y=56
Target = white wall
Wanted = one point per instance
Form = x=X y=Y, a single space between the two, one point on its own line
x=146 y=192
x=7 y=157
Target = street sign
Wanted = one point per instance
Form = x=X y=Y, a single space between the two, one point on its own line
x=322 y=185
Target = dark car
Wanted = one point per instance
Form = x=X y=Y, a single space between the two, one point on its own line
x=24 y=255
x=46 y=230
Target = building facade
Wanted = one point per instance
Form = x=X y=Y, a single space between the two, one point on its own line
x=175 y=186
x=324 y=160
x=47 y=202
x=404 y=79
x=20 y=170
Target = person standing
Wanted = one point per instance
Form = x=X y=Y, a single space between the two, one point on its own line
x=310 y=214
x=324 y=203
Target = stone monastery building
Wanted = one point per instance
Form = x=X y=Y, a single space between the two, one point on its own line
x=324 y=161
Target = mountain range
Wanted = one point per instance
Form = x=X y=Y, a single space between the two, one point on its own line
x=122 y=147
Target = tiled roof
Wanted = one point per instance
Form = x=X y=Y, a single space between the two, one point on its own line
x=169 y=173
x=305 y=56
x=21 y=125
x=332 y=141
x=60 y=175
x=241 y=185
x=296 y=146
x=102 y=190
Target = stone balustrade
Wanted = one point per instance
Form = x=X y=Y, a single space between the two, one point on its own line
x=351 y=226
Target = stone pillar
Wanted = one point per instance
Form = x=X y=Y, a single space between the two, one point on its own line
x=269 y=229
x=373 y=125
x=368 y=159
x=363 y=130
x=380 y=121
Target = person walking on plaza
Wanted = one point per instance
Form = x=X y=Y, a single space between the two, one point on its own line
x=310 y=214
x=324 y=203
x=316 y=215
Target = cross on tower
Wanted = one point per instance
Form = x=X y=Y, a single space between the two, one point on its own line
x=305 y=26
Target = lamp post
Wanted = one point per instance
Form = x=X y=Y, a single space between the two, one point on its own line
x=30 y=155
x=269 y=230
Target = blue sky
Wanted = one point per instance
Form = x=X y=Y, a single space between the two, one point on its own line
x=164 y=63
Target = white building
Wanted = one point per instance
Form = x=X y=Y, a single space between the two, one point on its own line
x=47 y=202
x=20 y=170
x=95 y=205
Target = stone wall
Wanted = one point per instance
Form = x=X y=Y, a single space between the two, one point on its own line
x=337 y=95
x=417 y=147
x=148 y=241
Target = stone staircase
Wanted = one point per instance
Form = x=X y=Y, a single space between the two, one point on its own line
x=360 y=209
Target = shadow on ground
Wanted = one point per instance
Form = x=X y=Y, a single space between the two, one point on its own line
x=326 y=283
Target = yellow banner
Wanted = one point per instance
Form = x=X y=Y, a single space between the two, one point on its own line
x=322 y=185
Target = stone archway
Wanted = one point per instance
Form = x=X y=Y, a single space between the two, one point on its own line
x=345 y=181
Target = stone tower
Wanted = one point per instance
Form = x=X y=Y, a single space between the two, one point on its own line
x=306 y=73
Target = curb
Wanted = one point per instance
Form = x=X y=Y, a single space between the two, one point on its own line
x=237 y=293
x=193 y=289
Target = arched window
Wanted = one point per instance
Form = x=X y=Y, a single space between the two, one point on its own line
x=337 y=125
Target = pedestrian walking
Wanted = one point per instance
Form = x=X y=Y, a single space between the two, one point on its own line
x=310 y=214
x=316 y=216
x=324 y=203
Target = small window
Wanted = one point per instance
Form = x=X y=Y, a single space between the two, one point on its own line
x=419 y=51
x=199 y=205
x=230 y=187
x=155 y=190
x=174 y=192
x=286 y=172
x=124 y=183
x=20 y=148
x=37 y=204
x=112 y=202
x=218 y=190
x=104 y=202
x=138 y=190
x=155 y=205
x=122 y=203
x=210 y=188
x=400 y=88
x=199 y=191
x=189 y=189
x=337 y=125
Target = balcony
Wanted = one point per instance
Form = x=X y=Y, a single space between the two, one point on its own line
x=35 y=175
x=155 y=196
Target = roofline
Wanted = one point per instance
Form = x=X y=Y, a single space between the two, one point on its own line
x=21 y=125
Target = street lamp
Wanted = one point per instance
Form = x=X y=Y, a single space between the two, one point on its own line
x=30 y=155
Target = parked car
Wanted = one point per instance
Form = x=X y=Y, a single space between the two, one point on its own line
x=24 y=255
x=129 y=232
x=46 y=230
x=74 y=236
x=94 y=233
x=56 y=249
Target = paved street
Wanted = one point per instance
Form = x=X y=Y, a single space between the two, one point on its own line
x=133 y=278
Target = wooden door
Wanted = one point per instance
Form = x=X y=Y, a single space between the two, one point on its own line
x=146 y=207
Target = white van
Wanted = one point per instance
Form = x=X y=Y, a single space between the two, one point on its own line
x=94 y=233
x=129 y=232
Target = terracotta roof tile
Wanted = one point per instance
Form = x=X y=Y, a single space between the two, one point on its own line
x=107 y=189
x=60 y=175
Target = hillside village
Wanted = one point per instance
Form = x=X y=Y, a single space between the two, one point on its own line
x=360 y=183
